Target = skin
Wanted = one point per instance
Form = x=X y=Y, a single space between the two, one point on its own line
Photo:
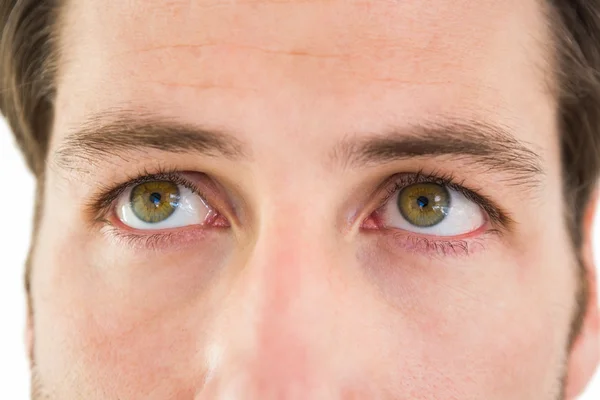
x=295 y=298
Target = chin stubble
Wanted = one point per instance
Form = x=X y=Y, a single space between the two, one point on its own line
x=39 y=392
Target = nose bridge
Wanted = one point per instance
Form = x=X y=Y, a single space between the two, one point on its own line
x=288 y=264
x=288 y=275
x=291 y=259
x=278 y=313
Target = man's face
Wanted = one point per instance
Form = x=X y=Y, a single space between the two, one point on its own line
x=303 y=200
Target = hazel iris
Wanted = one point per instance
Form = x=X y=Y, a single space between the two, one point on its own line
x=154 y=201
x=424 y=204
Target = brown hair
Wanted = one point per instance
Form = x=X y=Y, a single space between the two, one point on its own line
x=29 y=57
x=28 y=60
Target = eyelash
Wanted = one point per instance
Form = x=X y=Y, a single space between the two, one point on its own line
x=102 y=206
x=399 y=181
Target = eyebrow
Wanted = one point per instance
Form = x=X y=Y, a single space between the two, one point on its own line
x=107 y=136
x=492 y=147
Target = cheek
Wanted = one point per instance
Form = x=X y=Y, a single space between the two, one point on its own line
x=492 y=321
x=122 y=321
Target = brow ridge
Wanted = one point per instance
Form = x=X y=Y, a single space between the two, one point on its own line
x=491 y=147
x=105 y=137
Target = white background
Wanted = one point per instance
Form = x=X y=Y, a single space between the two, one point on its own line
x=16 y=205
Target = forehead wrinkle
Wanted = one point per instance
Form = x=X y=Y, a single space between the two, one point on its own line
x=376 y=44
x=350 y=65
x=201 y=86
x=366 y=30
x=356 y=74
x=265 y=50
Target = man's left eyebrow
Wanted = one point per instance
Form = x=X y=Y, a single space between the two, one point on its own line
x=492 y=147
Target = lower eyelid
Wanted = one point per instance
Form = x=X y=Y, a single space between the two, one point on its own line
x=465 y=245
x=163 y=240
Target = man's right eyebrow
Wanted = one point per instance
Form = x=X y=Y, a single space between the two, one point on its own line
x=102 y=137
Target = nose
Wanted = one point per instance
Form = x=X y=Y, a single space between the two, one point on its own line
x=278 y=333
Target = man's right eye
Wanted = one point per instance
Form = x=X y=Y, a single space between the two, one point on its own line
x=162 y=204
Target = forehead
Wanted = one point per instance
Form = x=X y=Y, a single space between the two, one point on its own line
x=362 y=62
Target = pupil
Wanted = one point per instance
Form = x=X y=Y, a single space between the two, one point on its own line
x=423 y=201
x=155 y=198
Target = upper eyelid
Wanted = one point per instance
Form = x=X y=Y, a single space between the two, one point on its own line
x=102 y=203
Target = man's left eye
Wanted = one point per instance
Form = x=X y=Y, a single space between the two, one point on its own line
x=161 y=204
x=432 y=209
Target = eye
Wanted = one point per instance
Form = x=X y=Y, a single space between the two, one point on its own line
x=161 y=204
x=432 y=209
